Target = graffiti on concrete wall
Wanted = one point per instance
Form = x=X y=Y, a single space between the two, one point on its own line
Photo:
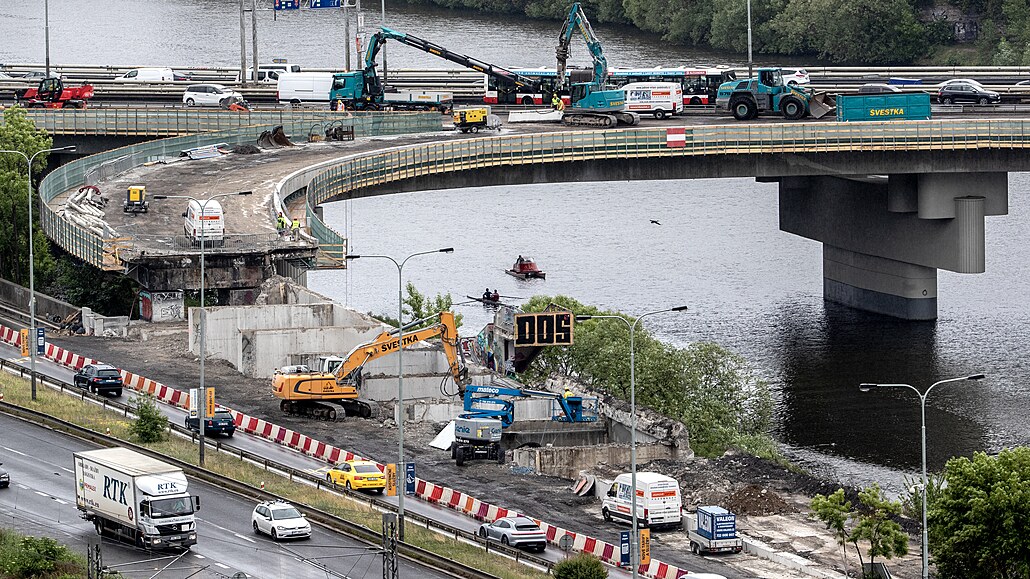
x=161 y=306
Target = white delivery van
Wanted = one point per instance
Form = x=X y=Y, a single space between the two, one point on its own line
x=269 y=73
x=658 y=500
x=661 y=99
x=147 y=75
x=207 y=220
x=304 y=87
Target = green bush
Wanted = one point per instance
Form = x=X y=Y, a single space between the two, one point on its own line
x=36 y=557
x=150 y=424
x=582 y=566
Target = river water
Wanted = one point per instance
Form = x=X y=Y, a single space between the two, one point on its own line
x=750 y=287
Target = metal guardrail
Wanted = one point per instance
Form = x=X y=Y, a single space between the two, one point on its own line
x=89 y=246
x=337 y=523
x=434 y=158
x=132 y=244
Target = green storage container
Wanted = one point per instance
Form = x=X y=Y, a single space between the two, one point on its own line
x=883 y=107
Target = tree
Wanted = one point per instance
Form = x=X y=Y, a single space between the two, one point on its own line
x=706 y=387
x=19 y=134
x=873 y=523
x=980 y=520
x=876 y=525
x=582 y=566
x=150 y=424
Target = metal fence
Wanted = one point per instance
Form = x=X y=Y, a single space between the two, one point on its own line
x=174 y=122
x=90 y=247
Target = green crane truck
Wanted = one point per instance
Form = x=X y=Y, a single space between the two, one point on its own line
x=767 y=93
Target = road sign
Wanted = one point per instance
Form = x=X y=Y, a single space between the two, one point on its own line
x=391 y=480
x=543 y=329
x=325 y=3
x=565 y=543
x=645 y=546
x=194 y=402
x=409 y=478
x=624 y=548
x=24 y=342
x=287 y=4
x=210 y=402
x=40 y=341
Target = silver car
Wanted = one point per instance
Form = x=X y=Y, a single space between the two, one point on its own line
x=519 y=532
x=5 y=479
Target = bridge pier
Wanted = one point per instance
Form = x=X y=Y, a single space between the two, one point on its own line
x=885 y=237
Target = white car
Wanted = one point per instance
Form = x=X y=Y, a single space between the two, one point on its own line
x=208 y=95
x=952 y=81
x=793 y=76
x=280 y=520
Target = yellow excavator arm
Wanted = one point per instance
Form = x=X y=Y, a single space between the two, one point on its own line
x=389 y=342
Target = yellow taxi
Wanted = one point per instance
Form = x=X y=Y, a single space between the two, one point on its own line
x=357 y=474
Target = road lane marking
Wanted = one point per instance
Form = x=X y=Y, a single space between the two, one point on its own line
x=199 y=556
x=60 y=501
x=12 y=450
x=41 y=494
x=222 y=566
x=245 y=538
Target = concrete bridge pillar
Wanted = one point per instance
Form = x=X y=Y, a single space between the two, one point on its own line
x=885 y=237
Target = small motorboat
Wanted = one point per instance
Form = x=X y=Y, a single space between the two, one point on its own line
x=525 y=268
x=485 y=301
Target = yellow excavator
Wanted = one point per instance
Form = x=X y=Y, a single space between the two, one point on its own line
x=303 y=392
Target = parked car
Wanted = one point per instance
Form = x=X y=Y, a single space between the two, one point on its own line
x=208 y=95
x=148 y=74
x=179 y=75
x=220 y=423
x=877 y=88
x=357 y=474
x=280 y=520
x=5 y=479
x=965 y=92
x=99 y=379
x=516 y=532
x=797 y=76
x=38 y=75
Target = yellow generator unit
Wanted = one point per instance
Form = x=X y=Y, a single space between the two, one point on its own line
x=471 y=119
x=136 y=199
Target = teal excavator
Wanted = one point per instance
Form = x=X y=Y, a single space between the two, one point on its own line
x=592 y=104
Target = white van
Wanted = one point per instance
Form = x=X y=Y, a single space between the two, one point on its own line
x=658 y=500
x=660 y=99
x=269 y=73
x=147 y=75
x=304 y=87
x=206 y=219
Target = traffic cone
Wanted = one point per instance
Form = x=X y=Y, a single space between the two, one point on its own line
x=262 y=485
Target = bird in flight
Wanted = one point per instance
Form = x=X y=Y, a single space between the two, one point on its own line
x=655 y=221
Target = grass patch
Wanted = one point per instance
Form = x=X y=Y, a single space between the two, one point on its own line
x=16 y=391
x=23 y=556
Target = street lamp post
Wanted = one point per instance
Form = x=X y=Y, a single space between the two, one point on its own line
x=400 y=373
x=634 y=537
x=202 y=403
x=46 y=34
x=32 y=263
x=750 y=65
x=866 y=387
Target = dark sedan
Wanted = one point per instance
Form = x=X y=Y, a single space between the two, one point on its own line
x=964 y=92
x=99 y=379
x=220 y=423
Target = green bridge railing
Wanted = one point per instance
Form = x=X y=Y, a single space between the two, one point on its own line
x=328 y=180
x=89 y=245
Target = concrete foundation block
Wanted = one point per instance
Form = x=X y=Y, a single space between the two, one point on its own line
x=876 y=284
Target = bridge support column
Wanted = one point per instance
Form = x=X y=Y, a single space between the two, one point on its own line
x=884 y=237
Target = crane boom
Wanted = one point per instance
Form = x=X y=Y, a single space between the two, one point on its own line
x=577 y=20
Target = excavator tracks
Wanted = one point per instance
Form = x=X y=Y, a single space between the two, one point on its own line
x=326 y=412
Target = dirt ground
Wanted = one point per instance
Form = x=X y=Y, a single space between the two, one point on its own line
x=770 y=500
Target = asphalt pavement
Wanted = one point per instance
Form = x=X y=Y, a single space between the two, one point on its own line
x=41 y=501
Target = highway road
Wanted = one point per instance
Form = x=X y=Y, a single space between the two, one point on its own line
x=41 y=501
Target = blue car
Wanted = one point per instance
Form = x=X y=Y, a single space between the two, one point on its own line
x=220 y=423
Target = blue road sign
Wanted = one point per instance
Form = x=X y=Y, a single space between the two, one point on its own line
x=325 y=3
x=40 y=341
x=409 y=478
x=287 y=4
x=624 y=548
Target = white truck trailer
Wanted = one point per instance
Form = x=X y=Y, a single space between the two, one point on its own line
x=141 y=499
x=715 y=531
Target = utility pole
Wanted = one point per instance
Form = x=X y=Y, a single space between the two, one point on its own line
x=94 y=562
x=253 y=27
x=46 y=39
x=389 y=546
x=346 y=33
x=243 y=46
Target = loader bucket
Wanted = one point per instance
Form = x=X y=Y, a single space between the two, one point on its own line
x=821 y=104
x=279 y=137
x=265 y=140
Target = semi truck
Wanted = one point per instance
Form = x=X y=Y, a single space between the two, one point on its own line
x=135 y=497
